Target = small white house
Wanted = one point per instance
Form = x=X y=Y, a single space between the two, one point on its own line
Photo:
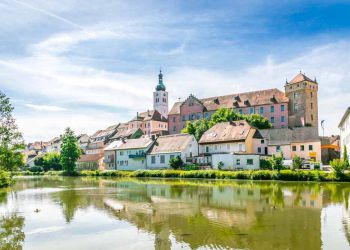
x=236 y=161
x=131 y=154
x=170 y=146
x=110 y=155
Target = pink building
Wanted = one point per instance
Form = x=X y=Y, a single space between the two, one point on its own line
x=270 y=103
x=150 y=122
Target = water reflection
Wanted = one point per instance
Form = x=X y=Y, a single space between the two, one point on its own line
x=11 y=232
x=199 y=213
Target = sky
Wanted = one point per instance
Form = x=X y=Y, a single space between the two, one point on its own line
x=90 y=64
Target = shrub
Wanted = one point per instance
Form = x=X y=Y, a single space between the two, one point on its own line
x=36 y=169
x=191 y=167
x=5 y=179
x=220 y=165
x=338 y=167
x=277 y=162
x=265 y=164
x=297 y=162
x=176 y=162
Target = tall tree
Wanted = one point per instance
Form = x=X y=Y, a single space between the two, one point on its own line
x=11 y=141
x=70 y=151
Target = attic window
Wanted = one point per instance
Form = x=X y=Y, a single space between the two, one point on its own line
x=246 y=102
x=237 y=98
x=235 y=104
x=216 y=100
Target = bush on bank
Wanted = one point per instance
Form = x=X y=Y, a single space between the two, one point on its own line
x=5 y=179
x=283 y=175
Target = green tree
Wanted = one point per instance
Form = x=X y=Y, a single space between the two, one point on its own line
x=277 y=162
x=199 y=127
x=70 y=151
x=176 y=162
x=346 y=156
x=297 y=162
x=49 y=161
x=11 y=141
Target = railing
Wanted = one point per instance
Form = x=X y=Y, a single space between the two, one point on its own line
x=137 y=156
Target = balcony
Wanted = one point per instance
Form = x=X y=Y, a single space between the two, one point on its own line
x=137 y=156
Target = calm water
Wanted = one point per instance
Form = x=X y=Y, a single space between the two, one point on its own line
x=92 y=213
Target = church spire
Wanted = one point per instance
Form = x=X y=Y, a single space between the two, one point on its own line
x=160 y=85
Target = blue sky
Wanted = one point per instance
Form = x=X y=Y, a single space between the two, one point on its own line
x=89 y=64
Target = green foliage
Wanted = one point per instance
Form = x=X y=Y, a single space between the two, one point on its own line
x=5 y=179
x=176 y=162
x=49 y=161
x=346 y=156
x=297 y=162
x=338 y=167
x=36 y=169
x=190 y=167
x=11 y=141
x=277 y=162
x=265 y=164
x=70 y=151
x=199 y=127
x=220 y=165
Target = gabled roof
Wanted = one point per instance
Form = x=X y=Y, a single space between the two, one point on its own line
x=150 y=115
x=346 y=114
x=239 y=100
x=226 y=132
x=105 y=133
x=142 y=142
x=171 y=143
x=300 y=78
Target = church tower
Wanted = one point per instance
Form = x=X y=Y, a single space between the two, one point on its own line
x=160 y=97
x=303 y=101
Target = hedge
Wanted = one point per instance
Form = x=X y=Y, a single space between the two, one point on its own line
x=284 y=175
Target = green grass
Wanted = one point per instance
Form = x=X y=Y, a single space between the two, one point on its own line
x=284 y=175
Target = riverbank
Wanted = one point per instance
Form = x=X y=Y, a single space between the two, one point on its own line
x=283 y=175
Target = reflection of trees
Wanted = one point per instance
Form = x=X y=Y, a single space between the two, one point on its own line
x=3 y=196
x=70 y=203
x=11 y=232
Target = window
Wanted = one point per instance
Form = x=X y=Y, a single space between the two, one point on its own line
x=121 y=153
x=261 y=110
x=262 y=141
x=294 y=148
x=240 y=111
x=282 y=118
x=311 y=147
x=272 y=120
x=250 y=162
x=312 y=105
x=278 y=148
x=312 y=117
x=302 y=148
x=295 y=107
x=183 y=118
x=174 y=119
x=282 y=107
x=172 y=156
x=251 y=110
x=207 y=149
x=174 y=128
x=272 y=109
x=206 y=115
x=259 y=150
x=311 y=94
x=240 y=146
x=162 y=159
x=238 y=162
x=153 y=159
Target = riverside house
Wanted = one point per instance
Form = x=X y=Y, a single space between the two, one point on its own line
x=110 y=155
x=131 y=154
x=344 y=127
x=231 y=143
x=303 y=142
x=170 y=146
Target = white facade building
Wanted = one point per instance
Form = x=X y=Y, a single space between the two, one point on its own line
x=344 y=127
x=131 y=154
x=170 y=146
x=236 y=161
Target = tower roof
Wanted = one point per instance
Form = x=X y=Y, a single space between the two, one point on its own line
x=160 y=85
x=300 y=78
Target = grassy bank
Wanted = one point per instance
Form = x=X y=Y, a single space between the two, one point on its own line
x=284 y=175
x=5 y=179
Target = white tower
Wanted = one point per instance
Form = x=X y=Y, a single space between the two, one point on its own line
x=160 y=97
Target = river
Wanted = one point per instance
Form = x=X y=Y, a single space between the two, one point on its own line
x=109 y=213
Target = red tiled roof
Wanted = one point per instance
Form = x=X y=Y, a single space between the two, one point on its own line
x=246 y=99
x=226 y=131
x=153 y=115
x=300 y=78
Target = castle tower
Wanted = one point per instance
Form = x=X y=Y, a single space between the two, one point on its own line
x=303 y=103
x=160 y=97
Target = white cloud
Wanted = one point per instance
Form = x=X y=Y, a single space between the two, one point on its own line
x=45 y=107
